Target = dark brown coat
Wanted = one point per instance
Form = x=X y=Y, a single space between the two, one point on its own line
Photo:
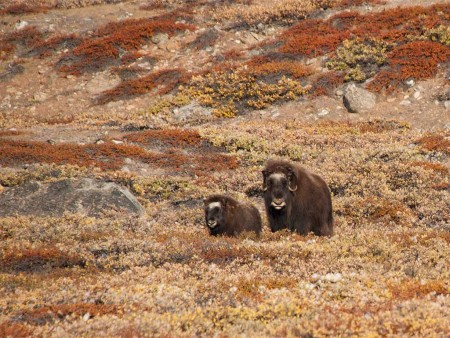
x=224 y=215
x=296 y=199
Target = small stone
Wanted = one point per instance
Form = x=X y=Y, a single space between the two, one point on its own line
x=311 y=61
x=315 y=277
x=417 y=95
x=86 y=317
x=410 y=82
x=21 y=25
x=333 y=277
x=99 y=141
x=447 y=104
x=339 y=92
x=323 y=112
x=405 y=103
x=409 y=271
x=117 y=142
x=40 y=96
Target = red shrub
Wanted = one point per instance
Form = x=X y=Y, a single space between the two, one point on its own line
x=436 y=142
x=316 y=37
x=312 y=37
x=95 y=53
x=46 y=47
x=164 y=81
x=51 y=313
x=417 y=60
x=166 y=137
x=111 y=156
x=18 y=9
x=9 y=329
x=263 y=66
x=325 y=84
x=38 y=259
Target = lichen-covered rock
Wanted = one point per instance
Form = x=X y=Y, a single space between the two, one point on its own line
x=84 y=196
x=357 y=99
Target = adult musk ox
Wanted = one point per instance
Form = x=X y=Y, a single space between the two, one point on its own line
x=225 y=215
x=296 y=199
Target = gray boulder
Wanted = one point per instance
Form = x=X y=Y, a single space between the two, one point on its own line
x=85 y=196
x=357 y=99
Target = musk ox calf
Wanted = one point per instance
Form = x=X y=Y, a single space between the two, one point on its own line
x=296 y=199
x=224 y=215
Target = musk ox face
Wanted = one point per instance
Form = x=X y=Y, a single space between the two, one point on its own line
x=214 y=215
x=279 y=188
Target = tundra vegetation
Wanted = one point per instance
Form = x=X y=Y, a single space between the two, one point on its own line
x=384 y=272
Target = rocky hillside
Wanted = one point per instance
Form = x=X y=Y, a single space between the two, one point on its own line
x=118 y=117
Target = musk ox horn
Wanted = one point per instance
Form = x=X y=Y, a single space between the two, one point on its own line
x=264 y=180
x=292 y=182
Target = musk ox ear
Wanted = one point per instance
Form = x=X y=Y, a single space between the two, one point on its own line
x=292 y=180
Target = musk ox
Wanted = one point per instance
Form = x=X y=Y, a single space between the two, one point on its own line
x=296 y=199
x=225 y=215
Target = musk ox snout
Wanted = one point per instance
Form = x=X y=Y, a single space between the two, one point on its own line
x=278 y=203
x=226 y=216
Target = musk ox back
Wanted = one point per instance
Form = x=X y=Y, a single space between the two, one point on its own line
x=224 y=215
x=296 y=199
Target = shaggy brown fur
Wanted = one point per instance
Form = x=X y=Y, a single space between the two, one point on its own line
x=296 y=199
x=224 y=215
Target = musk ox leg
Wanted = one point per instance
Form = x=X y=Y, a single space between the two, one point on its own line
x=301 y=225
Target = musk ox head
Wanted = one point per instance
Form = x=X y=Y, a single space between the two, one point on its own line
x=279 y=186
x=214 y=213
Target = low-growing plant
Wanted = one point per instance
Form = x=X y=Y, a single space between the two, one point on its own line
x=230 y=92
x=414 y=60
x=168 y=102
x=162 y=81
x=110 y=42
x=359 y=60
